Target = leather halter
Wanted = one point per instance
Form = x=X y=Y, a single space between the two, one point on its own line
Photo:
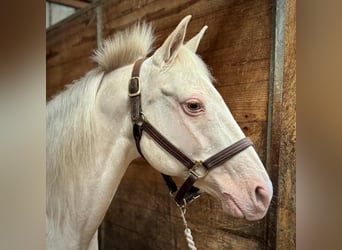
x=197 y=169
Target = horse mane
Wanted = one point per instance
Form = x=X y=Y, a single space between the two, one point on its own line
x=70 y=139
x=125 y=47
x=70 y=117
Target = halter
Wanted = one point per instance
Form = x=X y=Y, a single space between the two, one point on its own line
x=197 y=168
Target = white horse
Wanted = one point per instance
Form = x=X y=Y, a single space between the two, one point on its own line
x=90 y=142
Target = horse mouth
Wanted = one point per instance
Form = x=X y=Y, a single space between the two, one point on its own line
x=230 y=206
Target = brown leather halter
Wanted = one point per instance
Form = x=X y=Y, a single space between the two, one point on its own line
x=197 y=169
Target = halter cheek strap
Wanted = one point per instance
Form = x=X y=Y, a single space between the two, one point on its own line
x=197 y=169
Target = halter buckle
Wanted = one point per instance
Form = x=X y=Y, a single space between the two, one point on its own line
x=134 y=86
x=199 y=170
x=186 y=201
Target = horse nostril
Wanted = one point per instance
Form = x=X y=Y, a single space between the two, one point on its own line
x=262 y=197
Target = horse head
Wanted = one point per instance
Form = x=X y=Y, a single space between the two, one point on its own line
x=180 y=100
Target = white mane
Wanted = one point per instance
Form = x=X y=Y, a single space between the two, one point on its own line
x=125 y=47
x=70 y=123
x=70 y=137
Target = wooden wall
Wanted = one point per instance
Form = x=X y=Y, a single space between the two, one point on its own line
x=237 y=47
x=69 y=46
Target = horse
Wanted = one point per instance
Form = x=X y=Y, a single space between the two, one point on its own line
x=90 y=142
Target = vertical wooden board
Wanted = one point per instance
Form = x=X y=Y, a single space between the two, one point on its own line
x=69 y=46
x=286 y=224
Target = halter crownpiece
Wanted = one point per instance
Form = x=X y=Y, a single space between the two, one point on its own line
x=197 y=169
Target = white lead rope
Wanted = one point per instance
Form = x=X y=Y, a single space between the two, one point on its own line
x=187 y=231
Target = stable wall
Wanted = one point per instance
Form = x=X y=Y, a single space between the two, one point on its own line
x=239 y=47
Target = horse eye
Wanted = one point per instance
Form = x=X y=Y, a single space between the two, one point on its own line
x=194 y=105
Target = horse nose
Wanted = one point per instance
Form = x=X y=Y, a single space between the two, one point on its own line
x=262 y=197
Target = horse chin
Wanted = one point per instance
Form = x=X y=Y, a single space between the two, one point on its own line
x=234 y=208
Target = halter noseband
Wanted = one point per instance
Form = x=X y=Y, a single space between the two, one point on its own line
x=197 y=169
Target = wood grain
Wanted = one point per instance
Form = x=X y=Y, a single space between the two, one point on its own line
x=286 y=224
x=68 y=50
x=247 y=102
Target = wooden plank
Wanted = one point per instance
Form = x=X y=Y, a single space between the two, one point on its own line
x=286 y=224
x=68 y=50
x=175 y=242
x=274 y=127
x=71 y=3
x=257 y=132
x=167 y=231
x=236 y=30
x=247 y=102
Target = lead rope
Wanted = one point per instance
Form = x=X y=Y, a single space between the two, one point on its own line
x=187 y=231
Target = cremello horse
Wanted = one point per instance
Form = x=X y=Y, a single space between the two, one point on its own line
x=90 y=142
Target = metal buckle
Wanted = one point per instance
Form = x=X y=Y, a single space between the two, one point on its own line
x=187 y=201
x=137 y=81
x=181 y=204
x=192 y=198
x=199 y=170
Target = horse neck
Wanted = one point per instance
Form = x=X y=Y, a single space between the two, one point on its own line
x=115 y=147
x=114 y=150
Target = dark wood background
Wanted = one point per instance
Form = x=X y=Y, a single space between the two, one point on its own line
x=238 y=47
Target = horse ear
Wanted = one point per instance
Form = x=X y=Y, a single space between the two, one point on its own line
x=193 y=43
x=169 y=50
